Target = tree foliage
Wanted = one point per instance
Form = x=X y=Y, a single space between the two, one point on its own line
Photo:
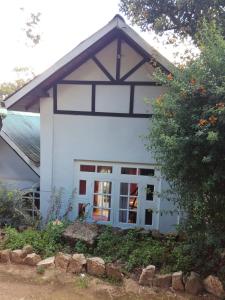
x=188 y=132
x=23 y=75
x=180 y=16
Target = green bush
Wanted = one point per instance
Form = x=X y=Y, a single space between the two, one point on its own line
x=45 y=243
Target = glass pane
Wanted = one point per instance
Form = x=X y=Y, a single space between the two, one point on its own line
x=133 y=202
x=148 y=217
x=87 y=168
x=133 y=189
x=123 y=216
x=123 y=202
x=129 y=171
x=102 y=187
x=106 y=201
x=81 y=210
x=82 y=187
x=132 y=217
x=146 y=172
x=149 y=192
x=123 y=188
x=100 y=214
x=98 y=199
x=104 y=169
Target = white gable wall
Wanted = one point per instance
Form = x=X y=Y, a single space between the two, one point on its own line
x=14 y=172
x=66 y=138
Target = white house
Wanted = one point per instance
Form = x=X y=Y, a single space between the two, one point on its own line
x=93 y=117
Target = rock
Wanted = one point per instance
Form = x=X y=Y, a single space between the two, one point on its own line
x=156 y=234
x=96 y=266
x=28 y=249
x=214 y=286
x=193 y=284
x=32 y=259
x=147 y=275
x=81 y=231
x=47 y=263
x=17 y=256
x=5 y=256
x=163 y=281
x=62 y=260
x=114 y=271
x=177 y=281
x=77 y=263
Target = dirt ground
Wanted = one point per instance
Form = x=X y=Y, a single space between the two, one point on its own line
x=18 y=282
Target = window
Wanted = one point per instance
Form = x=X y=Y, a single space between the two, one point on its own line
x=87 y=168
x=148 y=217
x=149 y=192
x=104 y=169
x=146 y=172
x=129 y=171
x=128 y=202
x=82 y=187
x=102 y=201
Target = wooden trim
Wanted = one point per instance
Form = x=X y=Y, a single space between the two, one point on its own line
x=131 y=100
x=93 y=97
x=135 y=68
x=115 y=82
x=102 y=68
x=103 y=114
x=55 y=98
x=118 y=59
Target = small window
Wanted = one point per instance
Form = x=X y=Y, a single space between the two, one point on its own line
x=146 y=172
x=149 y=192
x=87 y=168
x=129 y=171
x=81 y=210
x=148 y=217
x=82 y=187
x=104 y=169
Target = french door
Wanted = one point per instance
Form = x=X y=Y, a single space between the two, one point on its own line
x=116 y=194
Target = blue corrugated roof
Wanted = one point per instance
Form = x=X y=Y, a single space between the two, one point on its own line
x=24 y=130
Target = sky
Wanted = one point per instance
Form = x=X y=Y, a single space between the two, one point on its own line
x=63 y=25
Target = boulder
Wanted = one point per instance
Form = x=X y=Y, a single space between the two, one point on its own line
x=193 y=284
x=147 y=275
x=47 y=263
x=28 y=249
x=177 y=281
x=163 y=281
x=81 y=231
x=32 y=259
x=17 y=256
x=114 y=271
x=95 y=266
x=5 y=256
x=62 y=261
x=77 y=263
x=214 y=286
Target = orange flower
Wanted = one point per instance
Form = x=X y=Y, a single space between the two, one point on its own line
x=193 y=81
x=220 y=105
x=213 y=120
x=202 y=122
x=202 y=90
x=170 y=77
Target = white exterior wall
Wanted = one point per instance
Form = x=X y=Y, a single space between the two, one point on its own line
x=14 y=172
x=68 y=138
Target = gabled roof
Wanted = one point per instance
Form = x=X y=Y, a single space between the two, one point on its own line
x=26 y=96
x=21 y=131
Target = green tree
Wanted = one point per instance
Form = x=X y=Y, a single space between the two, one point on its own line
x=182 y=17
x=187 y=133
x=23 y=75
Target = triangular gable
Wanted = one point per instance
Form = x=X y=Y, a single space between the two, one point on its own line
x=90 y=48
